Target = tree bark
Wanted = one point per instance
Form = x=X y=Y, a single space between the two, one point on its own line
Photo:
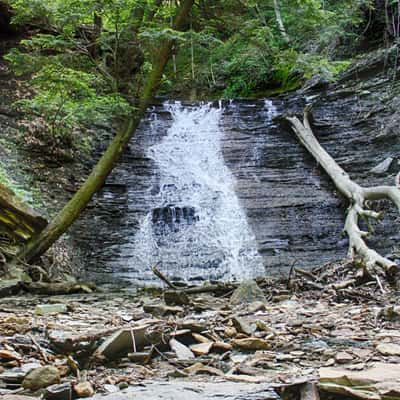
x=71 y=211
x=280 y=23
x=357 y=195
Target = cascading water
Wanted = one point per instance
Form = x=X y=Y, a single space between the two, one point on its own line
x=196 y=228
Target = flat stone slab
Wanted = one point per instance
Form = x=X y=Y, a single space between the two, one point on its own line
x=184 y=390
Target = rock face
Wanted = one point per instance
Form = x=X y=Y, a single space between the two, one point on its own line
x=41 y=377
x=290 y=204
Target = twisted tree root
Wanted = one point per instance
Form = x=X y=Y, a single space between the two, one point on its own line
x=373 y=263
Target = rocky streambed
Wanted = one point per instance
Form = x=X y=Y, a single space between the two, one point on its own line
x=260 y=341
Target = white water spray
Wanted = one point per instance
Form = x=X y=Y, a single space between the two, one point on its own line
x=197 y=228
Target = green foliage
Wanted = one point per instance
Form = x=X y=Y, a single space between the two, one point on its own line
x=250 y=56
x=234 y=48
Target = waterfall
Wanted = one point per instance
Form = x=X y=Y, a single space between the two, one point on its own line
x=196 y=226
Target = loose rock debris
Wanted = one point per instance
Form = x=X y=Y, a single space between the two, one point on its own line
x=301 y=340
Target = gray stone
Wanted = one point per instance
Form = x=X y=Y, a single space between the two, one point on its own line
x=184 y=390
x=248 y=292
x=242 y=326
x=40 y=378
x=182 y=352
x=121 y=342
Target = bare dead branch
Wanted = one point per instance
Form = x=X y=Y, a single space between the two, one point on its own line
x=357 y=195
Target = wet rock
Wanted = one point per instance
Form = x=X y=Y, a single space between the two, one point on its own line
x=201 y=349
x=383 y=167
x=9 y=287
x=61 y=391
x=84 y=389
x=40 y=378
x=182 y=352
x=48 y=309
x=176 y=298
x=121 y=342
x=388 y=349
x=247 y=293
x=251 y=344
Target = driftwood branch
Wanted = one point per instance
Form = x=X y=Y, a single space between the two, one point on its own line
x=357 y=195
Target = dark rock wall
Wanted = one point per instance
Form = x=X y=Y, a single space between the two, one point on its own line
x=292 y=207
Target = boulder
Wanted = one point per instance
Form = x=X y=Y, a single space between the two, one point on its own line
x=40 y=378
x=248 y=292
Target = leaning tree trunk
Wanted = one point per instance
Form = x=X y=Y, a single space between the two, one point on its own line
x=357 y=195
x=71 y=211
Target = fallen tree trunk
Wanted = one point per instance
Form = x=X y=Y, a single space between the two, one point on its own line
x=18 y=220
x=71 y=211
x=357 y=195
